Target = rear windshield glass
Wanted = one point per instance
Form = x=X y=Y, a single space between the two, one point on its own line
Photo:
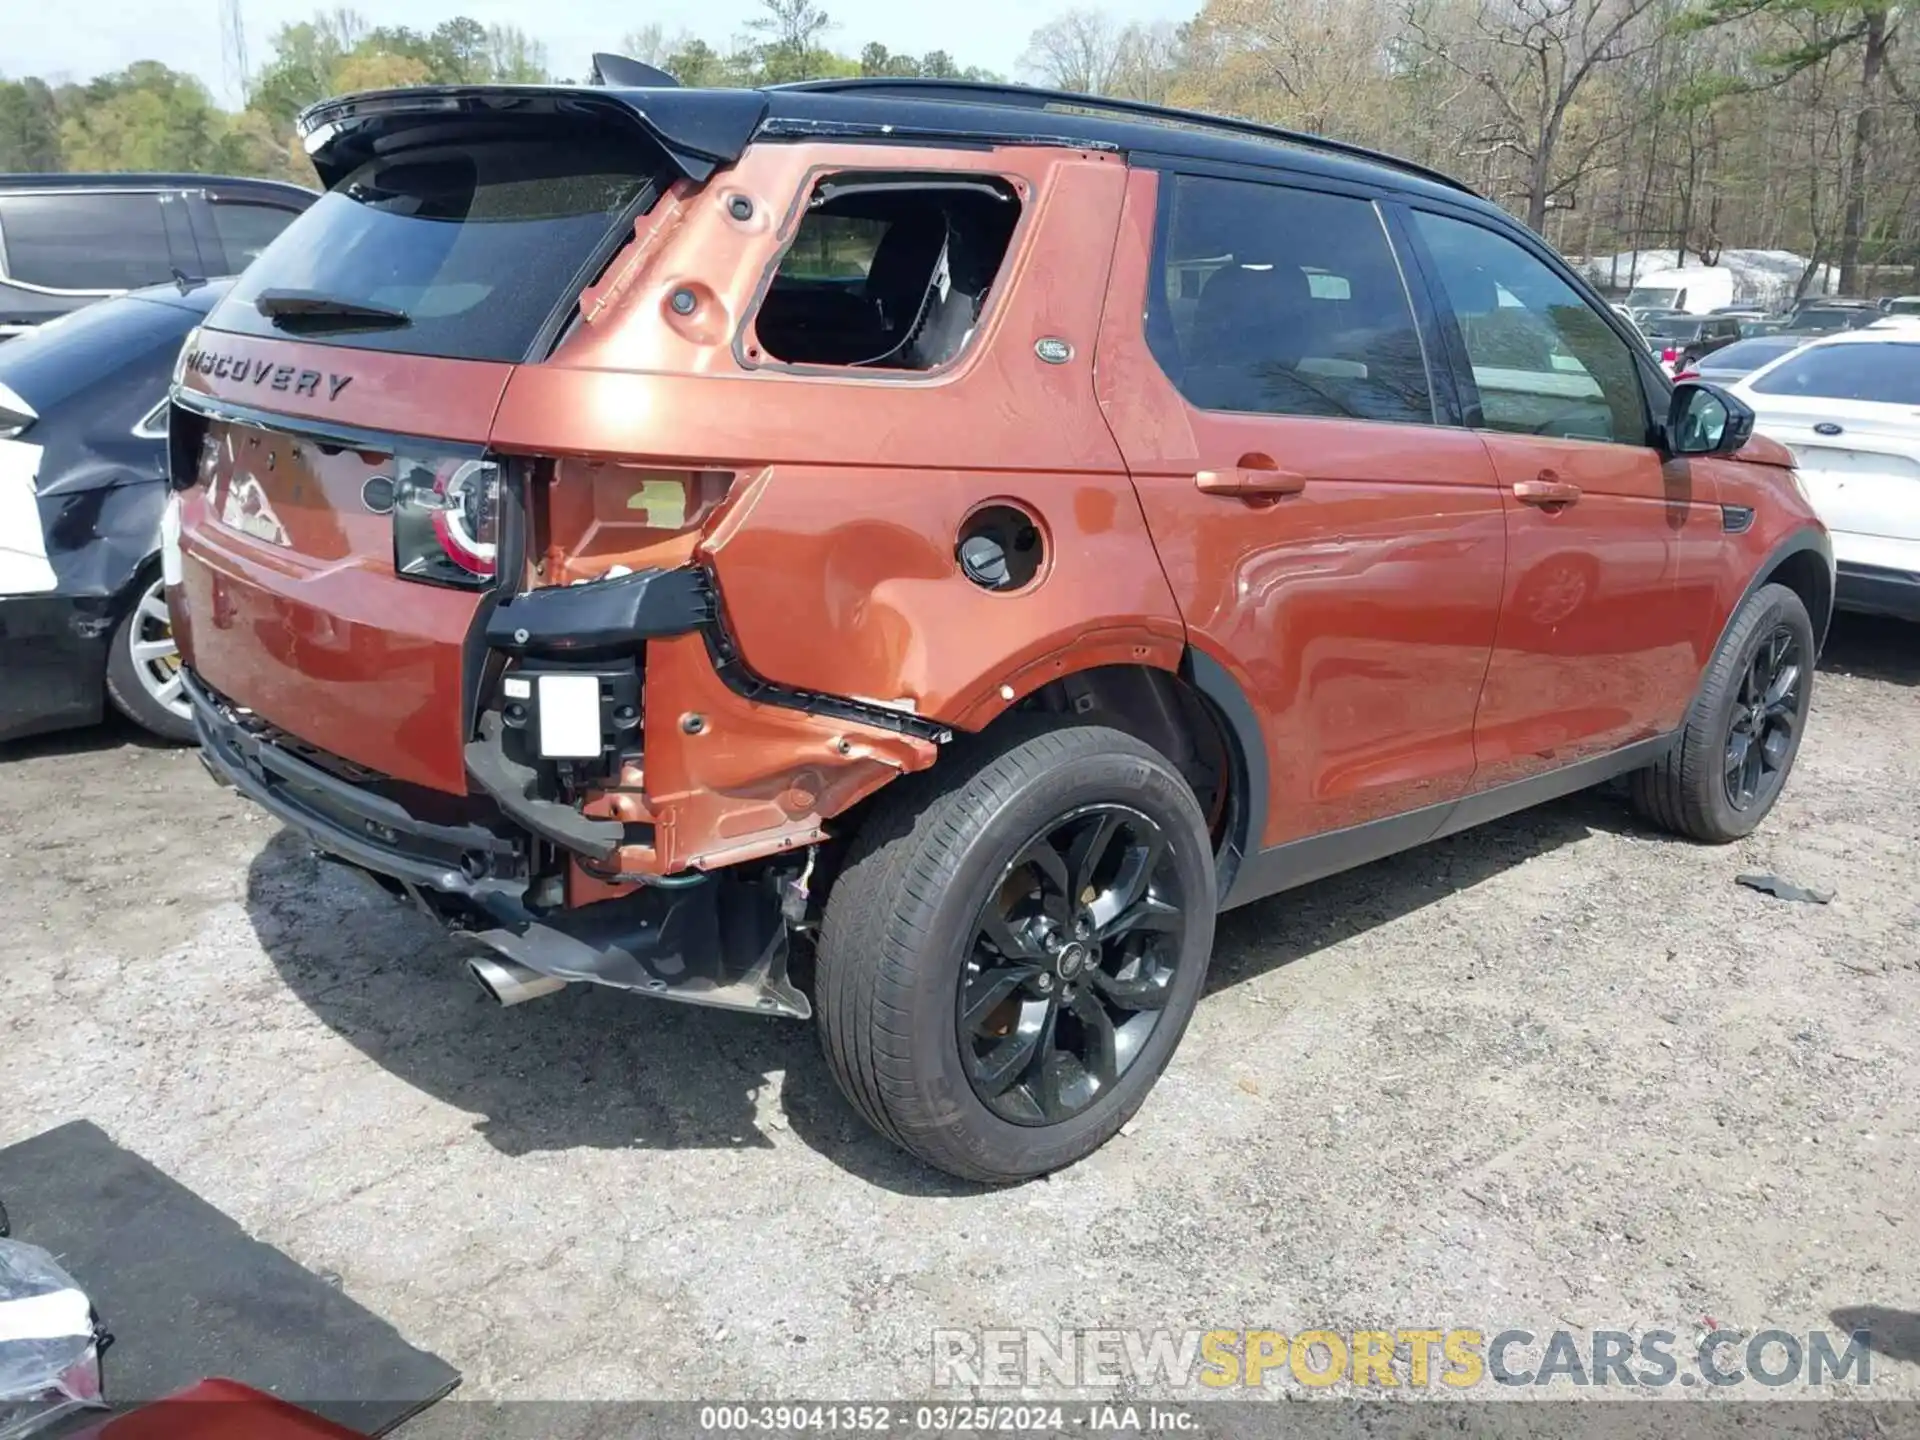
x=1749 y=354
x=1821 y=319
x=1888 y=374
x=460 y=250
x=1672 y=329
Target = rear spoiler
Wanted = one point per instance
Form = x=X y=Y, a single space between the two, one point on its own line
x=700 y=130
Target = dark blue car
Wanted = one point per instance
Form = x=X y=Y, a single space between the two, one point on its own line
x=83 y=462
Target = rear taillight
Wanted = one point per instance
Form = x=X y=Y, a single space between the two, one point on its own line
x=446 y=521
x=1686 y=375
x=1669 y=355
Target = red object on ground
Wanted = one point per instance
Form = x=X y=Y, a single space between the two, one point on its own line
x=217 y=1410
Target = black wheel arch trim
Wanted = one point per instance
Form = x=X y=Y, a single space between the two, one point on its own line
x=1247 y=752
x=1806 y=539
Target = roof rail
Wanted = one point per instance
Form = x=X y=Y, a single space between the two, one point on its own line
x=1031 y=97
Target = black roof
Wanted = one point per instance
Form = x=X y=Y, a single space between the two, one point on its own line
x=702 y=130
x=149 y=180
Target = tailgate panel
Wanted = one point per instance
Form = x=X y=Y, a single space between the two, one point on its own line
x=363 y=665
x=293 y=609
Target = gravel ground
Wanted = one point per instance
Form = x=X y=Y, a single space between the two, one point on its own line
x=1560 y=1072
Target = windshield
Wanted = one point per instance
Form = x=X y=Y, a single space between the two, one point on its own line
x=1653 y=298
x=454 y=249
x=1885 y=373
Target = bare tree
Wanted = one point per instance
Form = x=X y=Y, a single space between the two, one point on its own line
x=1533 y=59
x=652 y=44
x=1078 y=50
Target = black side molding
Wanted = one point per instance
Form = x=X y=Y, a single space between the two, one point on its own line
x=1299 y=862
x=603 y=614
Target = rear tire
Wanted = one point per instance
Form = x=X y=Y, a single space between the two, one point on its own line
x=143 y=666
x=995 y=1011
x=1743 y=732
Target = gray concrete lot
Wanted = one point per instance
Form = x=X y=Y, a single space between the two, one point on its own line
x=1560 y=1072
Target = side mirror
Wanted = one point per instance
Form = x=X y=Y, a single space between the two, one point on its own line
x=1706 y=420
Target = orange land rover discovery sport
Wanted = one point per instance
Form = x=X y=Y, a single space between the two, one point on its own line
x=908 y=554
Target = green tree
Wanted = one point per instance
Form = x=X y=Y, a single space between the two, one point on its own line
x=458 y=53
x=877 y=60
x=1826 y=32
x=696 y=63
x=514 y=57
x=29 y=126
x=304 y=58
x=792 y=47
x=146 y=117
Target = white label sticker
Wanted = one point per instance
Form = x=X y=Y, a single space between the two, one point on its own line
x=569 y=717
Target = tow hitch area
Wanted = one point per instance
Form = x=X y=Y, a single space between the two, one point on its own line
x=713 y=941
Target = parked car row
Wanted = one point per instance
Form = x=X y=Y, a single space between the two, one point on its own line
x=1682 y=341
x=1848 y=407
x=83 y=466
x=101 y=279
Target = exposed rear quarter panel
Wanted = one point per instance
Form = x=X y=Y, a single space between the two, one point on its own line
x=835 y=558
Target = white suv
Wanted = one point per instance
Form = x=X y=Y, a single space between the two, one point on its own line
x=1848 y=406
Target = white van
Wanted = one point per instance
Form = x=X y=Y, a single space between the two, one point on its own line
x=1697 y=289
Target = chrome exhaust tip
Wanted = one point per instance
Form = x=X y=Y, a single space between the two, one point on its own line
x=509 y=984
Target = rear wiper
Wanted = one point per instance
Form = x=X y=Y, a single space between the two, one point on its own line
x=303 y=309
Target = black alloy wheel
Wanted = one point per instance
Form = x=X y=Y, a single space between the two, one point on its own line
x=1071 y=963
x=1014 y=944
x=1728 y=763
x=1766 y=712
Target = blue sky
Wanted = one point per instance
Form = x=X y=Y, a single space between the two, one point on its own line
x=186 y=33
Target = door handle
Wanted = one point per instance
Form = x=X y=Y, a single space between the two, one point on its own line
x=1255 y=475
x=1548 y=489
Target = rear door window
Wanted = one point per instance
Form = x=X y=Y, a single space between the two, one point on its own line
x=85 y=241
x=245 y=229
x=454 y=249
x=1281 y=301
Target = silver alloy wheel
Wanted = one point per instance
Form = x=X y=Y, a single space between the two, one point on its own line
x=156 y=657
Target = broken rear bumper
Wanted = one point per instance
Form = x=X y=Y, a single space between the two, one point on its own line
x=714 y=940
x=354 y=822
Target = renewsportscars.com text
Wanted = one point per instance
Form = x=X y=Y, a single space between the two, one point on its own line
x=1412 y=1357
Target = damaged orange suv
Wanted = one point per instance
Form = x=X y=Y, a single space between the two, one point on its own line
x=909 y=554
